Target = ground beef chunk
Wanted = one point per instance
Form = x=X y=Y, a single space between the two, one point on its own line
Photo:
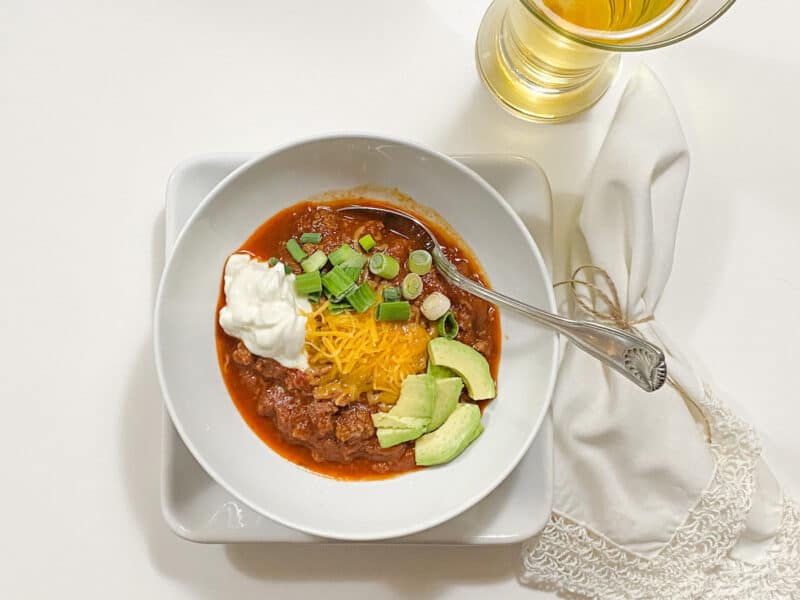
x=322 y=414
x=241 y=355
x=269 y=395
x=270 y=369
x=353 y=424
x=481 y=346
x=402 y=459
x=296 y=382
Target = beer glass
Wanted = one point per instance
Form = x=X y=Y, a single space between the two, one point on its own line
x=548 y=60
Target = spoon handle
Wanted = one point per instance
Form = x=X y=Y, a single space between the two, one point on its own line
x=635 y=358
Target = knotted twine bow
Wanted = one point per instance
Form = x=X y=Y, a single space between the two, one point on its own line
x=612 y=314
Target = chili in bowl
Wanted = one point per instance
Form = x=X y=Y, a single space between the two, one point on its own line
x=319 y=368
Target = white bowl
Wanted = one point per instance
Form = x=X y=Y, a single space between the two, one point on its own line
x=210 y=424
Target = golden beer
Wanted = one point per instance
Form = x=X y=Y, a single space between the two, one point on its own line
x=608 y=15
x=548 y=60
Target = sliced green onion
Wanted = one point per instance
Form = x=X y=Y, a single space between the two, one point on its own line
x=448 y=326
x=295 y=250
x=342 y=254
x=314 y=297
x=367 y=242
x=314 y=262
x=357 y=260
x=272 y=261
x=362 y=298
x=384 y=266
x=411 y=286
x=352 y=272
x=339 y=307
x=310 y=238
x=419 y=262
x=353 y=266
x=393 y=311
x=287 y=269
x=435 y=306
x=392 y=294
x=337 y=284
x=308 y=283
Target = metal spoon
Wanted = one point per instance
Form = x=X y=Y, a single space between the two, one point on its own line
x=637 y=359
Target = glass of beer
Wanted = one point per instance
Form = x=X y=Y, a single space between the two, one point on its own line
x=548 y=60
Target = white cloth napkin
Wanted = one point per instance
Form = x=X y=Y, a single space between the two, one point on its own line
x=656 y=495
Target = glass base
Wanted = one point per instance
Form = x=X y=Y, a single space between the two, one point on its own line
x=533 y=71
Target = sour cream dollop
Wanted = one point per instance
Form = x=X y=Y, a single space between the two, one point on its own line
x=263 y=310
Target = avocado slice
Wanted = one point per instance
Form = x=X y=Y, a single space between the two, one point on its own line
x=391 y=437
x=451 y=439
x=386 y=420
x=475 y=435
x=440 y=372
x=417 y=397
x=470 y=365
x=447 y=393
x=410 y=417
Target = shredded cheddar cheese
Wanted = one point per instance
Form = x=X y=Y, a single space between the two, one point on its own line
x=352 y=354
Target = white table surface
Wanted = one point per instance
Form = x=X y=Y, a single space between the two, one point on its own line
x=99 y=100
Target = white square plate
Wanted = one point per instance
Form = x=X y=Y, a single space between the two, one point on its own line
x=198 y=509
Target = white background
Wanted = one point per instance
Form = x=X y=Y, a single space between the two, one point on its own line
x=100 y=99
